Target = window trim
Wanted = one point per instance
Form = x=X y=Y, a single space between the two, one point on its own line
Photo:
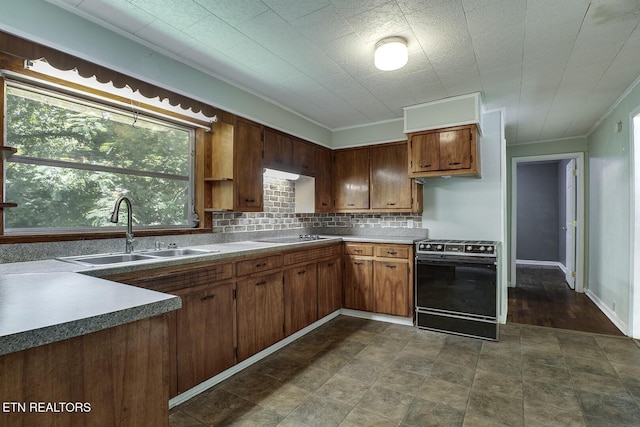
x=103 y=100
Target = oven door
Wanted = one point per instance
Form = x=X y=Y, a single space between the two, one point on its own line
x=457 y=294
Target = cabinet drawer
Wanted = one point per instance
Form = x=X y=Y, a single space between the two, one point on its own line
x=392 y=251
x=311 y=254
x=359 y=249
x=256 y=265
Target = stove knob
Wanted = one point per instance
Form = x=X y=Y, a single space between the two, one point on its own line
x=439 y=247
x=427 y=246
x=489 y=248
x=469 y=248
x=482 y=248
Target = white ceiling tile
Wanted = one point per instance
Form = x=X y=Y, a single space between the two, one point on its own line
x=383 y=21
x=323 y=25
x=554 y=13
x=349 y=7
x=292 y=10
x=120 y=13
x=269 y=30
x=489 y=16
x=236 y=11
x=180 y=14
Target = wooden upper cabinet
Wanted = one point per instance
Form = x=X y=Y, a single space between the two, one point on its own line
x=390 y=185
x=324 y=173
x=286 y=153
x=248 y=166
x=351 y=179
x=277 y=150
x=451 y=151
x=304 y=157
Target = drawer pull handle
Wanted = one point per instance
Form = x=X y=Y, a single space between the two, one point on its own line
x=454 y=163
x=358 y=263
x=391 y=204
x=392 y=252
x=208 y=297
x=262 y=264
x=425 y=166
x=261 y=283
x=324 y=203
x=392 y=266
x=351 y=204
x=330 y=265
x=302 y=272
x=357 y=250
x=249 y=200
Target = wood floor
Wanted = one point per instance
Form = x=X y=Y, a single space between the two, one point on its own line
x=543 y=298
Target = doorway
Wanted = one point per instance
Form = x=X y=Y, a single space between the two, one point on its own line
x=566 y=252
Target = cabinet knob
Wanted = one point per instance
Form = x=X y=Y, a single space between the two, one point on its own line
x=324 y=203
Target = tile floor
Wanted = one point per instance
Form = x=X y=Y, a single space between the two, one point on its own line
x=356 y=372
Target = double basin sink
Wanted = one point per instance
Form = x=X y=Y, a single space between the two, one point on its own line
x=106 y=259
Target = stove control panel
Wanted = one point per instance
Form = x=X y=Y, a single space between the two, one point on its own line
x=471 y=248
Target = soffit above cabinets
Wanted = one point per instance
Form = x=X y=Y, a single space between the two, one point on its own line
x=555 y=66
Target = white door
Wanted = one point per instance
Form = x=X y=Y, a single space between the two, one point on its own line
x=570 y=223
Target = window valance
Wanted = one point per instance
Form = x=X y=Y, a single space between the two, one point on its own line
x=28 y=50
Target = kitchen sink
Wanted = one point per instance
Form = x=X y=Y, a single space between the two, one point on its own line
x=107 y=259
x=178 y=252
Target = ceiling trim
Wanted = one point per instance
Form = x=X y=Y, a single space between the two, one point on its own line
x=607 y=113
x=364 y=125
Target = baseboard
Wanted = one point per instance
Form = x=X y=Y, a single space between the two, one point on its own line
x=608 y=312
x=408 y=321
x=205 y=385
x=542 y=263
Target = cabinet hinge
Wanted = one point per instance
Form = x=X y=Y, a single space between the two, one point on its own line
x=235 y=294
x=575 y=172
x=573 y=274
x=235 y=352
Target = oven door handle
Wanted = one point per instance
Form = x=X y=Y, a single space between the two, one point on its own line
x=491 y=262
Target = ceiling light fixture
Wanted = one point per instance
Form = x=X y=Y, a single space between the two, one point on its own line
x=391 y=53
x=272 y=173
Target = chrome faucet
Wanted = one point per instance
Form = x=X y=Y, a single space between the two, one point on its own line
x=114 y=218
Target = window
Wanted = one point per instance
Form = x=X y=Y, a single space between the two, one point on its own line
x=76 y=157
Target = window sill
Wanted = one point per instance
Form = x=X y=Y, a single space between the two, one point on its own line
x=95 y=235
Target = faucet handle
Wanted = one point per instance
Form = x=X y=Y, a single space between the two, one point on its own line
x=158 y=245
x=173 y=245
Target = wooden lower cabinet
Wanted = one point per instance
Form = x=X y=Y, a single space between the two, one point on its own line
x=204 y=335
x=300 y=297
x=378 y=278
x=117 y=375
x=260 y=308
x=358 y=281
x=329 y=286
x=391 y=287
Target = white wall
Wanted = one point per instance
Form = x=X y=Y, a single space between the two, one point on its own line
x=467 y=207
x=610 y=212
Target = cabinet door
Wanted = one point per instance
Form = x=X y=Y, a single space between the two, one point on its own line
x=390 y=183
x=424 y=152
x=357 y=284
x=455 y=149
x=324 y=172
x=329 y=286
x=351 y=179
x=205 y=345
x=277 y=150
x=304 y=157
x=391 y=287
x=300 y=297
x=260 y=314
x=248 y=166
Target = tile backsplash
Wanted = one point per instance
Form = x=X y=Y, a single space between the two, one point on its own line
x=279 y=214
